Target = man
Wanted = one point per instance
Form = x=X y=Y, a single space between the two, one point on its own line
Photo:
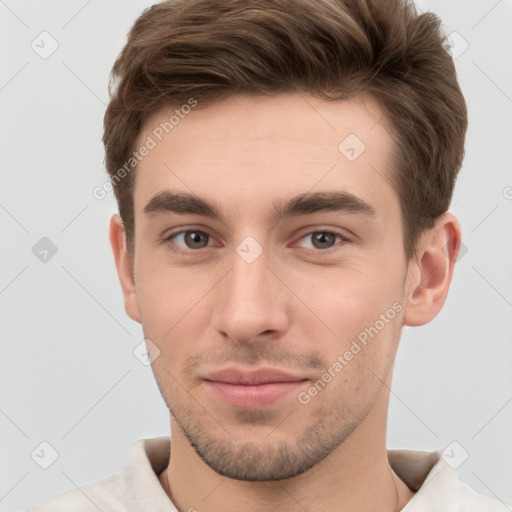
x=283 y=172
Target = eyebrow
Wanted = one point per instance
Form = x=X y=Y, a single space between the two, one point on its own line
x=303 y=204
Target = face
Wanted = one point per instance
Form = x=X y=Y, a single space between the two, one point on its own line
x=269 y=271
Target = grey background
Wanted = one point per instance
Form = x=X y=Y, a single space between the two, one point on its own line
x=67 y=369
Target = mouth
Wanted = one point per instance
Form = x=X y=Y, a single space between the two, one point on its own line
x=252 y=389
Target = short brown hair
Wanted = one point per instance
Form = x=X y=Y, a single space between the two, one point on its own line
x=333 y=49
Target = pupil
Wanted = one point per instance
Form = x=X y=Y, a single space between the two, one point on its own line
x=322 y=238
x=194 y=238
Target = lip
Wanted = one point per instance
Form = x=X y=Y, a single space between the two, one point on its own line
x=264 y=375
x=250 y=389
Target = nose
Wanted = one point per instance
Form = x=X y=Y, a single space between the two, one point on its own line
x=251 y=302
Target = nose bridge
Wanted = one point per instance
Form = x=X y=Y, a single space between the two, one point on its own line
x=250 y=302
x=248 y=286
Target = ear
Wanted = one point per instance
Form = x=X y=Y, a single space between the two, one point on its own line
x=430 y=273
x=124 y=267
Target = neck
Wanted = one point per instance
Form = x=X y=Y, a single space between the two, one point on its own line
x=356 y=476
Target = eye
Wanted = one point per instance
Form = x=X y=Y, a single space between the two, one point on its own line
x=323 y=239
x=189 y=239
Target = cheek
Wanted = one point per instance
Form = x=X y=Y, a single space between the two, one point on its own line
x=361 y=311
x=174 y=303
x=349 y=300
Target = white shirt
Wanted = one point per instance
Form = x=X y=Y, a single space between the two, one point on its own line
x=137 y=488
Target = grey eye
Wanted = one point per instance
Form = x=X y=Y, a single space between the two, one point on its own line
x=321 y=239
x=192 y=239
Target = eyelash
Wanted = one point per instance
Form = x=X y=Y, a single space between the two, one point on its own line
x=186 y=252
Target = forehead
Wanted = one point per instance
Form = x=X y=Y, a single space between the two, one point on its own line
x=247 y=150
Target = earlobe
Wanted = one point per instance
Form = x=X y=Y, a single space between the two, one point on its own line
x=430 y=274
x=124 y=267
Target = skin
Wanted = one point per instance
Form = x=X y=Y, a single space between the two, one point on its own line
x=297 y=306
